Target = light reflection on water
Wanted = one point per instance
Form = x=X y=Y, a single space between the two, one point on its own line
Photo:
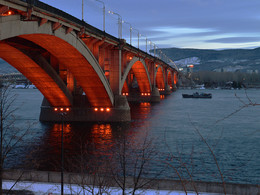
x=171 y=123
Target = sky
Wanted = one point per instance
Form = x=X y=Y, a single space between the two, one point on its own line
x=202 y=24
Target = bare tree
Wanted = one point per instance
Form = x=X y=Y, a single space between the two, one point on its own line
x=10 y=136
x=88 y=179
x=131 y=163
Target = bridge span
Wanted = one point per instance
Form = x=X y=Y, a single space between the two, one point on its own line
x=78 y=67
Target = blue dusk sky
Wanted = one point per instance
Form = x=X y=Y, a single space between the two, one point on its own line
x=202 y=24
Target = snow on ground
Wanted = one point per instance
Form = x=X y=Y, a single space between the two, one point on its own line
x=52 y=189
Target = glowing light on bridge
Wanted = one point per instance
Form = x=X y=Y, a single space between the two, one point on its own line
x=125 y=94
x=102 y=109
x=7 y=13
x=145 y=94
x=61 y=109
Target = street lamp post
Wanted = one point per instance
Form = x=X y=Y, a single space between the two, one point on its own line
x=119 y=24
x=152 y=45
x=104 y=14
x=62 y=111
x=154 y=49
x=130 y=30
x=145 y=42
x=82 y=10
x=62 y=153
x=150 y=42
x=138 y=35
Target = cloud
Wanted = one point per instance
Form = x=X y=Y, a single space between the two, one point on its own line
x=235 y=40
x=178 y=23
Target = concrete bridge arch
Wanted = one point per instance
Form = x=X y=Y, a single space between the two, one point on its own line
x=159 y=78
x=70 y=51
x=41 y=74
x=141 y=73
x=170 y=78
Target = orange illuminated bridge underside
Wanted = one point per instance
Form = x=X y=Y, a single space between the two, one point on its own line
x=175 y=78
x=35 y=74
x=77 y=64
x=125 y=88
x=169 y=79
x=159 y=79
x=141 y=77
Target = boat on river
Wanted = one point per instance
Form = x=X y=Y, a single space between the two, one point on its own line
x=197 y=95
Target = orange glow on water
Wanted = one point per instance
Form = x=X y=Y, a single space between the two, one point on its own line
x=102 y=136
x=145 y=104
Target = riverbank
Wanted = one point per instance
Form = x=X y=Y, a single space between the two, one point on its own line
x=72 y=179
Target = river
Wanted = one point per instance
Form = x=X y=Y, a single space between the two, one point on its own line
x=183 y=132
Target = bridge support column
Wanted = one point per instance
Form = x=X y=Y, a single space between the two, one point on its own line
x=83 y=113
x=155 y=97
x=174 y=87
x=167 y=90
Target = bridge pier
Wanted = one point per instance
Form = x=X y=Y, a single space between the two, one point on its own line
x=155 y=95
x=83 y=113
x=167 y=90
x=146 y=97
x=174 y=87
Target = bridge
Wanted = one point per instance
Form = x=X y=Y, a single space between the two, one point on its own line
x=77 y=67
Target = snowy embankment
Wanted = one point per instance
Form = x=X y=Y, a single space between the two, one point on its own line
x=38 y=188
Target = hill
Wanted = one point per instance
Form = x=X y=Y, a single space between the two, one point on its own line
x=227 y=60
